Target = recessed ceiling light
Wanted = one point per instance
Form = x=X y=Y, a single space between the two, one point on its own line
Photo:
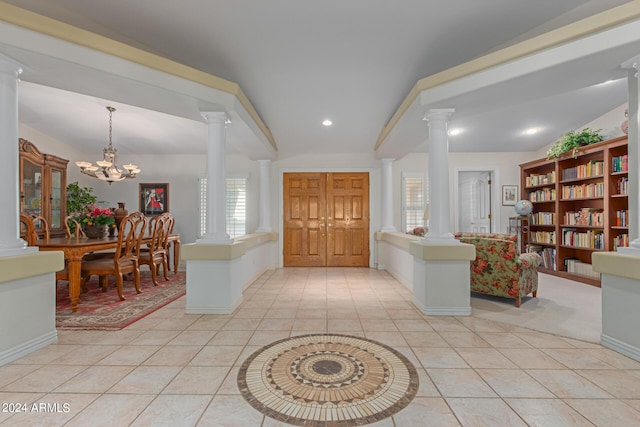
x=327 y=122
x=455 y=131
x=531 y=131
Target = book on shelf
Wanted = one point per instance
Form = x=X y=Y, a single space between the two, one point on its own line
x=590 y=239
x=542 y=218
x=540 y=179
x=549 y=258
x=621 y=218
x=543 y=195
x=575 y=266
x=623 y=186
x=591 y=169
x=586 y=217
x=583 y=191
x=620 y=164
x=621 y=241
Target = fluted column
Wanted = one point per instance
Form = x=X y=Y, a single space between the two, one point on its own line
x=10 y=241
x=387 y=196
x=438 y=168
x=216 y=175
x=633 y=67
x=265 y=196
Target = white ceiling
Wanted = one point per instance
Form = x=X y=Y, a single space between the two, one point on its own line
x=300 y=62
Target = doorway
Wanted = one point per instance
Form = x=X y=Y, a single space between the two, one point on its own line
x=475 y=201
x=326 y=219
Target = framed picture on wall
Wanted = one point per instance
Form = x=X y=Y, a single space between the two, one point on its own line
x=509 y=195
x=154 y=198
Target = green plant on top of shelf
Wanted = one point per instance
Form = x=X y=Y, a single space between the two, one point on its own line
x=572 y=140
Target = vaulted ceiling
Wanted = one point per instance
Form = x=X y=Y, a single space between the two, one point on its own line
x=353 y=62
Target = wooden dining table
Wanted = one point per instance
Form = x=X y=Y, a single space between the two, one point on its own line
x=75 y=248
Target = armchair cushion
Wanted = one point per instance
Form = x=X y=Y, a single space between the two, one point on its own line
x=498 y=268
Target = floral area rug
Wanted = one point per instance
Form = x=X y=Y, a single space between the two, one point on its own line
x=104 y=310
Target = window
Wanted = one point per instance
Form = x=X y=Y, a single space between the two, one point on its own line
x=236 y=206
x=415 y=196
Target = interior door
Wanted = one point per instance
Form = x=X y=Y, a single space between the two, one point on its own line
x=348 y=219
x=474 y=192
x=304 y=219
x=326 y=219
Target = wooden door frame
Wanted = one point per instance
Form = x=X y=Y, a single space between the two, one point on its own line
x=495 y=195
x=374 y=200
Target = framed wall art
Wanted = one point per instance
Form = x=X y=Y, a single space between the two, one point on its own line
x=154 y=198
x=509 y=195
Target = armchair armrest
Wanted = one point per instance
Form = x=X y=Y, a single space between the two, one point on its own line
x=529 y=259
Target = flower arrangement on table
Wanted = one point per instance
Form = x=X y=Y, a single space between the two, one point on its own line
x=93 y=215
x=418 y=231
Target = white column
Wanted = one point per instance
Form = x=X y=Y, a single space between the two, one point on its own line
x=10 y=241
x=216 y=175
x=633 y=67
x=438 y=168
x=387 y=196
x=265 y=196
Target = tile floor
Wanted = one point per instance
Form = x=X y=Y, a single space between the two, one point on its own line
x=176 y=369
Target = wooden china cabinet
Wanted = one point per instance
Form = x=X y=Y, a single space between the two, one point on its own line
x=43 y=183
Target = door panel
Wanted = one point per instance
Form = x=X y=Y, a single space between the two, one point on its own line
x=304 y=220
x=348 y=219
x=326 y=219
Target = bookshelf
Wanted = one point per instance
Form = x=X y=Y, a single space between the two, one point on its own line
x=579 y=207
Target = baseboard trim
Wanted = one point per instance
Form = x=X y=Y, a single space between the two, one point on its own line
x=620 y=346
x=201 y=309
x=442 y=311
x=30 y=346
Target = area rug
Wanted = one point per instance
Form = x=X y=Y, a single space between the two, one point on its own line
x=328 y=379
x=104 y=310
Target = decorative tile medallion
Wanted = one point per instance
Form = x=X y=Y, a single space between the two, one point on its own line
x=327 y=380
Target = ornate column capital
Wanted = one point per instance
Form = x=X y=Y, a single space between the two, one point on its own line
x=215 y=117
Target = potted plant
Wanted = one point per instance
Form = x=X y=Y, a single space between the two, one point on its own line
x=572 y=140
x=95 y=221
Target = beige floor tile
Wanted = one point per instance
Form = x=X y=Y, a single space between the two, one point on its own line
x=110 y=410
x=548 y=413
x=239 y=324
x=282 y=313
x=311 y=325
x=173 y=355
x=130 y=355
x=251 y=313
x=460 y=383
x=11 y=373
x=464 y=339
x=415 y=414
x=392 y=339
x=485 y=358
x=267 y=337
x=568 y=384
x=531 y=358
x=231 y=338
x=439 y=358
x=44 y=379
x=142 y=325
x=121 y=337
x=484 y=412
x=577 y=358
x=378 y=313
x=482 y=325
x=275 y=325
x=513 y=383
x=611 y=358
x=607 y=412
x=341 y=325
x=217 y=355
x=504 y=340
x=209 y=323
x=634 y=403
x=146 y=380
x=616 y=382
x=338 y=313
x=197 y=380
x=155 y=337
x=20 y=401
x=541 y=340
x=230 y=411
x=313 y=312
x=192 y=337
x=87 y=355
x=379 y=325
x=230 y=383
x=80 y=337
x=404 y=314
x=53 y=409
x=95 y=379
x=173 y=324
x=173 y=411
x=426 y=388
x=412 y=325
x=46 y=355
x=442 y=324
x=425 y=339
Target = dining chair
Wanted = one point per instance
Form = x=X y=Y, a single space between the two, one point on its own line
x=27 y=230
x=77 y=227
x=155 y=254
x=39 y=223
x=124 y=259
x=31 y=223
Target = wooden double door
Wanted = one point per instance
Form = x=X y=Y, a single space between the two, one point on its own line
x=326 y=219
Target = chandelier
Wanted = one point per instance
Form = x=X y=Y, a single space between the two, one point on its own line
x=107 y=169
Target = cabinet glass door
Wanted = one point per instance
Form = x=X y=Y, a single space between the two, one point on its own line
x=32 y=189
x=56 y=199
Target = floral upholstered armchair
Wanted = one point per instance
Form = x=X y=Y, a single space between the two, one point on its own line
x=498 y=268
